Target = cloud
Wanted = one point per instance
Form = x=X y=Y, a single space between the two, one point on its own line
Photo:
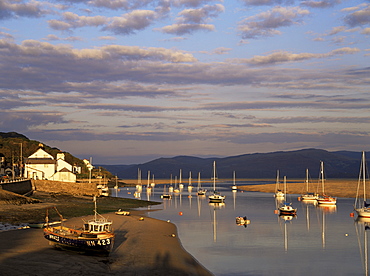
x=267 y=2
x=283 y=56
x=199 y=16
x=181 y=29
x=131 y=22
x=22 y=120
x=119 y=4
x=191 y=20
x=12 y=9
x=358 y=18
x=73 y=21
x=313 y=119
x=321 y=4
x=126 y=24
x=366 y=31
x=266 y=23
x=193 y=3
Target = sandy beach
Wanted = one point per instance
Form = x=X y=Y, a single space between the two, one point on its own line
x=141 y=247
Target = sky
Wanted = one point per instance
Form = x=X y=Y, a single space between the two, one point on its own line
x=128 y=81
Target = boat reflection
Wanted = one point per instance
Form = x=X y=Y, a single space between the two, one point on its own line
x=234 y=197
x=362 y=225
x=307 y=206
x=215 y=206
x=286 y=219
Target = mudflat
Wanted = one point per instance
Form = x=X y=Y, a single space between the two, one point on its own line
x=142 y=246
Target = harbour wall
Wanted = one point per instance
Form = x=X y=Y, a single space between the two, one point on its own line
x=48 y=186
x=20 y=187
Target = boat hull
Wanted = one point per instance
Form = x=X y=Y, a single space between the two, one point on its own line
x=79 y=241
x=363 y=212
x=216 y=199
x=327 y=201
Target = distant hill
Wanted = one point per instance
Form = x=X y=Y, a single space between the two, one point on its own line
x=293 y=164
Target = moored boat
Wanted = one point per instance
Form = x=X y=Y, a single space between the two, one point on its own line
x=324 y=199
x=362 y=208
x=201 y=191
x=279 y=194
x=216 y=197
x=286 y=208
x=308 y=195
x=95 y=237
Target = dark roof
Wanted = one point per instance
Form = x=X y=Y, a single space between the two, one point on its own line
x=40 y=161
x=64 y=170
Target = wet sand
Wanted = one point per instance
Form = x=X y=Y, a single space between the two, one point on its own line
x=141 y=247
x=338 y=188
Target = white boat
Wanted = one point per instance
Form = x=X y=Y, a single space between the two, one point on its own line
x=122 y=212
x=216 y=197
x=325 y=199
x=165 y=194
x=190 y=186
x=308 y=196
x=181 y=186
x=153 y=183
x=170 y=189
x=286 y=208
x=200 y=191
x=362 y=208
x=176 y=190
x=278 y=193
x=234 y=187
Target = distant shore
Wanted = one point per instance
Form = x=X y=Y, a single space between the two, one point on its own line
x=336 y=187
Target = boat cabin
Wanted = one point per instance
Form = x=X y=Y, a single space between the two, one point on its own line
x=98 y=226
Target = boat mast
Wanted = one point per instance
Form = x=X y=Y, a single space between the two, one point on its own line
x=307 y=180
x=214 y=175
x=364 y=174
x=322 y=177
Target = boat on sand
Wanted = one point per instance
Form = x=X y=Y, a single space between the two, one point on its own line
x=95 y=237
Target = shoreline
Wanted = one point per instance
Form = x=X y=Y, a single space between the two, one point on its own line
x=145 y=246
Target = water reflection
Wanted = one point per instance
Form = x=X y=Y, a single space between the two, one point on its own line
x=215 y=206
x=362 y=225
x=317 y=235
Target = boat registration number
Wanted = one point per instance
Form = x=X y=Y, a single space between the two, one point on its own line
x=98 y=242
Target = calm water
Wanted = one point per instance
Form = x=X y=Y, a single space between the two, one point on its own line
x=318 y=241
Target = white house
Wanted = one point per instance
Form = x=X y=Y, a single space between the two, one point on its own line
x=42 y=165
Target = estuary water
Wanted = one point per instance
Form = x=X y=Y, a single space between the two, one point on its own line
x=318 y=241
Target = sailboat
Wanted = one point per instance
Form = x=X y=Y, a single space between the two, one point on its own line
x=308 y=195
x=278 y=193
x=181 y=186
x=216 y=197
x=286 y=208
x=165 y=194
x=176 y=190
x=170 y=189
x=200 y=191
x=325 y=199
x=190 y=186
x=234 y=187
x=361 y=207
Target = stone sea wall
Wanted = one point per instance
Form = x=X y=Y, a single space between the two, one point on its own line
x=49 y=186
